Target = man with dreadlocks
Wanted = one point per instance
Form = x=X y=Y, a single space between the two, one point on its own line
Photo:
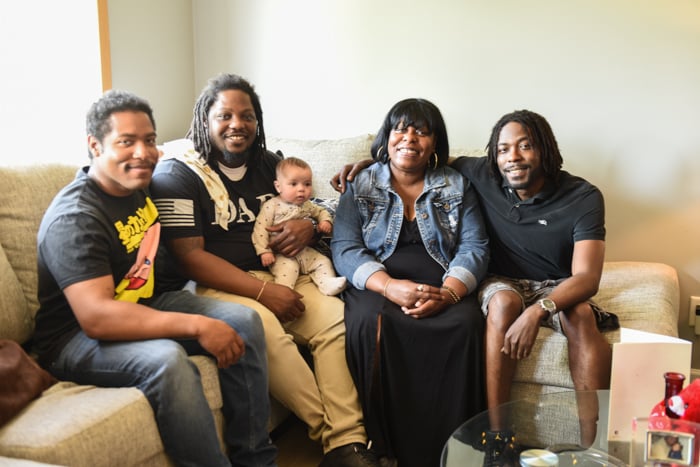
x=209 y=196
x=547 y=233
x=547 y=236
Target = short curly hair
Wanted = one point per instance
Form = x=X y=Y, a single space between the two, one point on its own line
x=97 y=121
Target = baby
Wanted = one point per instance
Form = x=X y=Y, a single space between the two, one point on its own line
x=293 y=184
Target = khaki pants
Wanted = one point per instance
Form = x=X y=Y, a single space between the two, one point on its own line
x=325 y=399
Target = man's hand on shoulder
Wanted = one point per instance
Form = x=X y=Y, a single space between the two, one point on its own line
x=347 y=174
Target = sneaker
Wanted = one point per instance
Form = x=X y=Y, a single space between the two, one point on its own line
x=350 y=455
x=500 y=449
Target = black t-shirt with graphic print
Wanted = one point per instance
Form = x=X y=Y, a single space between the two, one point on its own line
x=186 y=208
x=86 y=234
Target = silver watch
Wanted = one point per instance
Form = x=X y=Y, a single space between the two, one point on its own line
x=548 y=305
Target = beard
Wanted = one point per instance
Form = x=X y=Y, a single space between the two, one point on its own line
x=518 y=185
x=236 y=159
x=526 y=180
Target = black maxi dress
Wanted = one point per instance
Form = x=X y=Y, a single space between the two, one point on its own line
x=418 y=379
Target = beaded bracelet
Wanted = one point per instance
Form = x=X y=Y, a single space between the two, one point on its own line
x=261 y=291
x=455 y=297
x=386 y=284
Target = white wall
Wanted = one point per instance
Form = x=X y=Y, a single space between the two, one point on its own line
x=51 y=71
x=152 y=56
x=618 y=81
x=50 y=75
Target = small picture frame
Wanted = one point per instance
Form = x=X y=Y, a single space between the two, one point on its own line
x=675 y=447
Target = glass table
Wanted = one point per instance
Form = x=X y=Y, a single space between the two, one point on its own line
x=560 y=422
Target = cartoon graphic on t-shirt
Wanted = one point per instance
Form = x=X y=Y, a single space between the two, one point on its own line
x=141 y=232
x=140 y=272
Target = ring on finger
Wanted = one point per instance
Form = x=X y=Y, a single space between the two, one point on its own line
x=420 y=288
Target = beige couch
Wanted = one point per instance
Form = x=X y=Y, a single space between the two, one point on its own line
x=89 y=426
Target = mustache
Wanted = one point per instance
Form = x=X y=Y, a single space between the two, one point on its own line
x=143 y=165
x=508 y=168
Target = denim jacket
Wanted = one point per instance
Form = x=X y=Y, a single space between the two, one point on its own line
x=369 y=217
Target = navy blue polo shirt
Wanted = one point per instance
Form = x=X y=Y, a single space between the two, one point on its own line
x=534 y=239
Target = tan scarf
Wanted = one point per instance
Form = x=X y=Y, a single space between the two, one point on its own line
x=183 y=150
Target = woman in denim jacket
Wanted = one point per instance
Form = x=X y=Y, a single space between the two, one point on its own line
x=409 y=237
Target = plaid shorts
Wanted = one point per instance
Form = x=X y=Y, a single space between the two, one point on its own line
x=531 y=291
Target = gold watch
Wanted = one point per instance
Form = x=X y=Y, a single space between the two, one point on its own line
x=548 y=305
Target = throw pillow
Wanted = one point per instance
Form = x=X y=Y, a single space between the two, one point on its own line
x=21 y=380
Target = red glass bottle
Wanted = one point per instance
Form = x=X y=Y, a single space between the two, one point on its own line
x=674 y=385
x=660 y=413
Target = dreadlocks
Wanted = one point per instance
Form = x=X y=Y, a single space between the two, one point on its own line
x=199 y=132
x=541 y=137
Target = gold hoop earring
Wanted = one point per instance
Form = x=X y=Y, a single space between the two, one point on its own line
x=433 y=161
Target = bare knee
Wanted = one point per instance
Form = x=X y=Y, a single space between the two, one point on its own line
x=503 y=309
x=579 y=323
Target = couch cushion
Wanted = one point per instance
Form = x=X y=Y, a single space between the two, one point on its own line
x=74 y=425
x=7 y=462
x=84 y=426
x=26 y=195
x=16 y=322
x=209 y=375
x=326 y=156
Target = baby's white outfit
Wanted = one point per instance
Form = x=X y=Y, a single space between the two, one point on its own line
x=309 y=261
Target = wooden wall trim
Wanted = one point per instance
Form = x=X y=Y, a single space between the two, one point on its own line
x=105 y=57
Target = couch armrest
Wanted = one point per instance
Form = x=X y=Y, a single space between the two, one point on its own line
x=16 y=323
x=643 y=295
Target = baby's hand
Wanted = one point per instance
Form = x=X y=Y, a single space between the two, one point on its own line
x=267 y=259
x=325 y=227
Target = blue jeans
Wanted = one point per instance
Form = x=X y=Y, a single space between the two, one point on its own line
x=171 y=383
